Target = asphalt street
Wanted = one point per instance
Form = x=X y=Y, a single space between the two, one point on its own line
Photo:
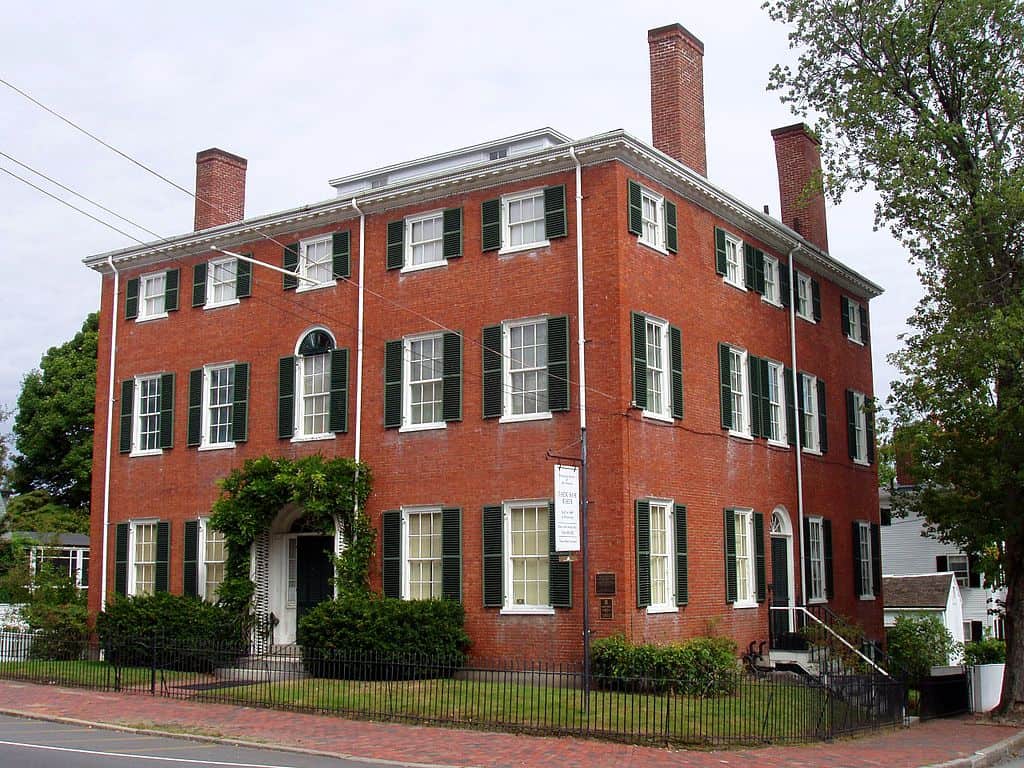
x=40 y=744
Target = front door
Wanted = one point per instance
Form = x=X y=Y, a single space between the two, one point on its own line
x=314 y=571
x=780 y=587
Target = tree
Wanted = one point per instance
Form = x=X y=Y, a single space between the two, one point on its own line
x=4 y=454
x=37 y=511
x=54 y=424
x=925 y=101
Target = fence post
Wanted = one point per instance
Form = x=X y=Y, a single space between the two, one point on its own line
x=152 y=664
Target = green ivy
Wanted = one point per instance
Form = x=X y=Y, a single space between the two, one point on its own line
x=329 y=492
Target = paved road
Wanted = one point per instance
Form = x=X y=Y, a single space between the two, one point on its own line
x=39 y=744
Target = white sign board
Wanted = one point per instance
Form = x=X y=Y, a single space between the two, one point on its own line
x=567 y=508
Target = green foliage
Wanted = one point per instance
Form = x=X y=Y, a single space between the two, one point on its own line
x=703 y=666
x=185 y=632
x=366 y=626
x=15 y=577
x=987 y=651
x=57 y=615
x=37 y=511
x=918 y=643
x=54 y=425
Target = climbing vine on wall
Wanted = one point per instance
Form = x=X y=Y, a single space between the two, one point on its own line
x=328 y=490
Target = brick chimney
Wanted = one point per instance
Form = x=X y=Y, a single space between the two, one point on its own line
x=220 y=188
x=798 y=158
x=677 y=95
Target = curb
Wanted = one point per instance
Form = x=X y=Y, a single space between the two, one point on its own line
x=226 y=740
x=989 y=756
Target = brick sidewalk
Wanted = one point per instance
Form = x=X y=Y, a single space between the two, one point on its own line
x=931 y=743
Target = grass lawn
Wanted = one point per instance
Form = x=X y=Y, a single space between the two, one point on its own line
x=90 y=674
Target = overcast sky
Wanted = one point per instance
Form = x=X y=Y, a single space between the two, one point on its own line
x=316 y=90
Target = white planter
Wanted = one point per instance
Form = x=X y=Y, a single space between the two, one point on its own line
x=986 y=686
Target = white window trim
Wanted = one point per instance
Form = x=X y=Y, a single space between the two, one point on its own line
x=865 y=536
x=305 y=284
x=819 y=522
x=406 y=588
x=777 y=371
x=298 y=436
x=506 y=554
x=210 y=302
x=861 y=420
x=774 y=262
x=805 y=280
x=407 y=425
x=659 y=244
x=853 y=317
x=204 y=436
x=810 y=382
x=506 y=224
x=745 y=516
x=133 y=526
x=137 y=418
x=41 y=554
x=141 y=316
x=966 y=568
x=665 y=414
x=740 y=281
x=204 y=527
x=506 y=374
x=670 y=571
x=744 y=394
x=407 y=244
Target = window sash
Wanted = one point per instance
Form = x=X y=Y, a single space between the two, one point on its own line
x=148 y=409
x=658 y=402
x=866 y=580
x=853 y=316
x=525 y=220
x=860 y=427
x=744 y=558
x=316 y=262
x=527 y=382
x=771 y=280
x=426 y=240
x=528 y=556
x=662 y=577
x=214 y=561
x=650 y=219
x=316 y=395
x=816 y=549
x=153 y=289
x=222 y=281
x=776 y=404
x=732 y=260
x=959 y=565
x=144 y=558
x=810 y=415
x=803 y=296
x=423 y=554
x=426 y=391
x=220 y=404
x=738 y=388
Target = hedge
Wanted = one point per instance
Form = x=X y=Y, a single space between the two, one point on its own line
x=703 y=666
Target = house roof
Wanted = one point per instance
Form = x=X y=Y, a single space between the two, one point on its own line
x=50 y=539
x=926 y=591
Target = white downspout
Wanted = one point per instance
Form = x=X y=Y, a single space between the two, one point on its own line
x=581 y=336
x=109 y=444
x=799 y=533
x=359 y=332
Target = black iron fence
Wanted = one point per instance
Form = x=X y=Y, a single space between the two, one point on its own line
x=540 y=698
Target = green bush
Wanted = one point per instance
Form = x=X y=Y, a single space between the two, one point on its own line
x=987 y=651
x=183 y=632
x=918 y=643
x=354 y=635
x=703 y=666
x=57 y=616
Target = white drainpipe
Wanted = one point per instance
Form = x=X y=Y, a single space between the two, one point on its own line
x=109 y=444
x=359 y=332
x=799 y=533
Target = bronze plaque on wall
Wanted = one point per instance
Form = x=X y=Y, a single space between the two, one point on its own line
x=605 y=583
x=606 y=607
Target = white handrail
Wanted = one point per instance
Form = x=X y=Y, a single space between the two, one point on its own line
x=832 y=631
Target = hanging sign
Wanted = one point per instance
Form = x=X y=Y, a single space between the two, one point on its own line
x=567 y=508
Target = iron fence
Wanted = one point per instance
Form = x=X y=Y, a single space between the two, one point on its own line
x=539 y=697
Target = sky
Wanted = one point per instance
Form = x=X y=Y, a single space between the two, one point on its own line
x=318 y=90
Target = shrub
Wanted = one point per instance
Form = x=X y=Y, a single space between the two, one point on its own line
x=57 y=616
x=356 y=634
x=184 y=632
x=703 y=666
x=987 y=651
x=916 y=644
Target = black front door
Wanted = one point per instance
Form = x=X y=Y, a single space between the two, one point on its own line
x=780 y=587
x=314 y=571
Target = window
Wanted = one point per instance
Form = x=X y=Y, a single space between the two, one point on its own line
x=959 y=565
x=218 y=407
x=313 y=389
x=864 y=560
x=526 y=369
x=147 y=414
x=771 y=280
x=315 y=395
x=804 y=297
x=66 y=561
x=315 y=263
x=809 y=421
x=815 y=559
x=860 y=433
x=425 y=241
x=153 y=290
x=662 y=579
x=524 y=220
x=735 y=392
x=214 y=559
x=657 y=367
x=744 y=559
x=147 y=424
x=527 y=559
x=652 y=219
x=423 y=560
x=222 y=283
x=141 y=551
x=424 y=374
x=658 y=401
x=651 y=216
x=855 y=320
x=734 y=261
x=745 y=582
x=776 y=403
x=524 y=217
x=662 y=588
x=143 y=569
x=421 y=553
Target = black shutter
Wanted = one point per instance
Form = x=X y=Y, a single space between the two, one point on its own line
x=131 y=299
x=243 y=278
x=864 y=334
x=639 y=323
x=759 y=565
x=643 y=553
x=851 y=423
x=195 y=407
x=826 y=535
x=725 y=383
x=730 y=556
x=754 y=382
x=671 y=232
x=199 y=284
x=876 y=560
x=720 y=259
x=822 y=418
x=341 y=254
x=127 y=404
x=759 y=281
x=451 y=238
x=869 y=426
x=682 y=558
x=748 y=266
x=973 y=572
x=163 y=556
x=190 y=564
x=286 y=397
x=844 y=315
x=240 y=404
x=858 y=562
x=492 y=372
x=396 y=244
x=393 y=383
x=816 y=300
x=490 y=226
x=167 y=410
x=788 y=382
x=338 y=417
x=451 y=554
x=555 y=224
x=290 y=262
x=121 y=559
x=493 y=558
x=391 y=553
x=635 y=210
x=784 y=284
x=941 y=563
x=171 y=279
x=558 y=363
x=451 y=355
x=559 y=574
x=675 y=339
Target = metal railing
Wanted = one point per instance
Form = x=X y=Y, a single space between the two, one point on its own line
x=540 y=697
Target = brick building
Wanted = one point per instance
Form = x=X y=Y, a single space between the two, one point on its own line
x=449 y=360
